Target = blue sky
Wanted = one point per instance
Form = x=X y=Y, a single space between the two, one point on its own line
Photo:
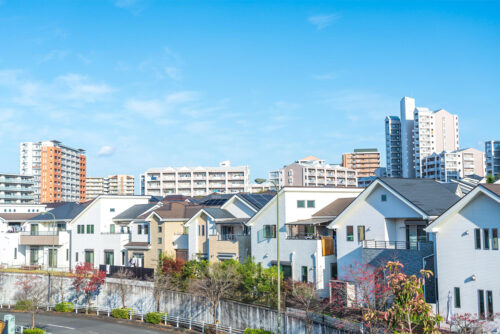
x=142 y=84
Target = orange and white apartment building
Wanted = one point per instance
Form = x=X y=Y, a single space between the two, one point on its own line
x=59 y=171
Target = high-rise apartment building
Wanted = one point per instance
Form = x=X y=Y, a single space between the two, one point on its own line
x=393 y=146
x=363 y=160
x=59 y=171
x=422 y=133
x=453 y=165
x=15 y=188
x=111 y=185
x=196 y=181
x=492 y=149
x=314 y=172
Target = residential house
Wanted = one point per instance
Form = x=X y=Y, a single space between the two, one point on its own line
x=467 y=251
x=96 y=237
x=218 y=231
x=387 y=221
x=307 y=247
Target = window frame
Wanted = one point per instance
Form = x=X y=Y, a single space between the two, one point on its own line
x=477 y=238
x=486 y=238
x=383 y=197
x=304 y=274
x=350 y=236
x=301 y=204
x=494 y=239
x=456 y=297
x=361 y=230
x=160 y=240
x=311 y=201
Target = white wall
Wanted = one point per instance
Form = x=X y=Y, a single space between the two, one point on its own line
x=457 y=259
x=299 y=252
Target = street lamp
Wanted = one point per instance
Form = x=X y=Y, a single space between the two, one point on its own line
x=276 y=187
x=51 y=255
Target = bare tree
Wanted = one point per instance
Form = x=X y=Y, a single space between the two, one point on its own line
x=32 y=291
x=217 y=282
x=161 y=282
x=59 y=284
x=304 y=297
x=123 y=285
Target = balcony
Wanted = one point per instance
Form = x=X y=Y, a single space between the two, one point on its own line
x=37 y=238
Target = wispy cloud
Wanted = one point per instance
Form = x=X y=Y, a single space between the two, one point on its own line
x=325 y=76
x=173 y=72
x=106 y=151
x=53 y=55
x=322 y=21
x=152 y=108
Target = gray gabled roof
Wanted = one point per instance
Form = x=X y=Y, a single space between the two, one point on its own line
x=66 y=211
x=134 y=211
x=218 y=213
x=428 y=195
x=257 y=201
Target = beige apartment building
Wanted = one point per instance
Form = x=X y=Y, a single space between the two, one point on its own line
x=454 y=165
x=314 y=172
x=364 y=160
x=111 y=185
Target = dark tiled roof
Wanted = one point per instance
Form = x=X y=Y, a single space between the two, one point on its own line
x=430 y=196
x=494 y=188
x=334 y=208
x=134 y=211
x=218 y=213
x=137 y=244
x=257 y=201
x=17 y=216
x=66 y=211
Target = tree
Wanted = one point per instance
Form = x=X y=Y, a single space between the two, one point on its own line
x=490 y=179
x=257 y=284
x=122 y=287
x=32 y=291
x=88 y=281
x=217 y=282
x=303 y=296
x=409 y=313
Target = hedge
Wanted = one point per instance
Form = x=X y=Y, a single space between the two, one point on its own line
x=153 y=318
x=22 y=305
x=33 y=331
x=64 y=307
x=121 y=313
x=256 y=331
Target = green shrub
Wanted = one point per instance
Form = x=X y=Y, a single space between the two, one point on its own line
x=121 y=313
x=256 y=331
x=153 y=318
x=22 y=305
x=33 y=331
x=64 y=307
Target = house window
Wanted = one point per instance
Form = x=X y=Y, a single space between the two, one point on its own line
x=160 y=241
x=139 y=229
x=109 y=257
x=480 y=300
x=89 y=256
x=304 y=274
x=111 y=209
x=269 y=231
x=159 y=254
x=486 y=234
x=90 y=229
x=311 y=204
x=477 y=238
x=15 y=253
x=123 y=258
x=67 y=254
x=203 y=230
x=159 y=229
x=52 y=258
x=457 y=298
x=146 y=229
x=301 y=204
x=350 y=233
x=489 y=301
x=383 y=197
x=112 y=228
x=361 y=233
x=494 y=238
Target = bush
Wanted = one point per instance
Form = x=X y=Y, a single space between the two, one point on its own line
x=153 y=318
x=22 y=305
x=121 y=313
x=33 y=331
x=256 y=331
x=64 y=307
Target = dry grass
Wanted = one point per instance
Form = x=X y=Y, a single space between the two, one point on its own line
x=37 y=272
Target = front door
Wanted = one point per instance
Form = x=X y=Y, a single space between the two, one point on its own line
x=414 y=235
x=52 y=258
x=109 y=257
x=33 y=256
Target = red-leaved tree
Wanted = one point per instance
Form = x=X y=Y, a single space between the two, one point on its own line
x=88 y=281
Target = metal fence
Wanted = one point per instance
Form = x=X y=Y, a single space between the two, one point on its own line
x=135 y=314
x=137 y=272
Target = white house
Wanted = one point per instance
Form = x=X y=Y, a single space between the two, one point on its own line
x=387 y=221
x=307 y=250
x=95 y=237
x=467 y=253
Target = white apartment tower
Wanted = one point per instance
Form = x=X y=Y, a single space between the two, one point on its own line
x=492 y=149
x=59 y=171
x=196 y=181
x=423 y=132
x=453 y=165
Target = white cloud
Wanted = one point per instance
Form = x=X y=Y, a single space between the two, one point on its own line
x=146 y=108
x=173 y=72
x=106 y=151
x=182 y=97
x=322 y=21
x=53 y=55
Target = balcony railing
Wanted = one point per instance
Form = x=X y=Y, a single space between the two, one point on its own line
x=303 y=236
x=40 y=233
x=230 y=237
x=376 y=244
